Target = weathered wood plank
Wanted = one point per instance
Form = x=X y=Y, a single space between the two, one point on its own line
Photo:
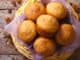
x=12 y=57
x=6 y=46
x=3 y=14
x=7 y=49
x=6 y=4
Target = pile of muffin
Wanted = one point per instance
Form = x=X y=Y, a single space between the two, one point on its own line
x=43 y=27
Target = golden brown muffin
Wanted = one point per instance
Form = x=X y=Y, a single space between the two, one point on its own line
x=47 y=25
x=27 y=31
x=44 y=46
x=34 y=10
x=65 y=35
x=56 y=9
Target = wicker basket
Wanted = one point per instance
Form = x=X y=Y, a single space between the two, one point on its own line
x=25 y=50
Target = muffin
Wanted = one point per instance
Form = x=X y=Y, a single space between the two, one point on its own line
x=44 y=46
x=27 y=31
x=65 y=35
x=56 y=9
x=34 y=10
x=47 y=25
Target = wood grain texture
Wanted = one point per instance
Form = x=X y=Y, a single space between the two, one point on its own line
x=12 y=57
x=7 y=4
x=7 y=49
x=6 y=46
x=3 y=14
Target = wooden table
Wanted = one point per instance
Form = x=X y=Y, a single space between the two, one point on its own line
x=7 y=49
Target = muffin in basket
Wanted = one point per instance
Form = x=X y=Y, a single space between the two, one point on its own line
x=44 y=46
x=27 y=31
x=56 y=9
x=34 y=10
x=47 y=25
x=65 y=35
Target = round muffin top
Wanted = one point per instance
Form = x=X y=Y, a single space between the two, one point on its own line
x=27 y=31
x=44 y=46
x=65 y=35
x=34 y=10
x=47 y=23
x=56 y=9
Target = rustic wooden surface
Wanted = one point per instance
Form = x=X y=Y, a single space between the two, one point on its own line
x=7 y=49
